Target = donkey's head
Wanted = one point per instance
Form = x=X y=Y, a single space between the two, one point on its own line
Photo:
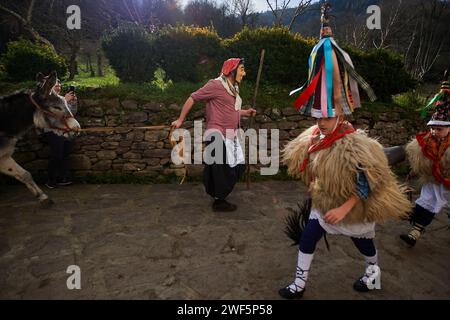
x=52 y=111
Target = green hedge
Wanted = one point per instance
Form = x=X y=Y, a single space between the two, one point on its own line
x=189 y=53
x=286 y=60
x=23 y=59
x=286 y=54
x=130 y=51
x=383 y=70
x=196 y=54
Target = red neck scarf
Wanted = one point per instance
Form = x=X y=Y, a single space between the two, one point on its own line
x=434 y=150
x=342 y=129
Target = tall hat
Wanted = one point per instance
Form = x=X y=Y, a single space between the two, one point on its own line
x=332 y=86
x=440 y=105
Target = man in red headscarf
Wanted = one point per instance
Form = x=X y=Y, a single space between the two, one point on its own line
x=223 y=113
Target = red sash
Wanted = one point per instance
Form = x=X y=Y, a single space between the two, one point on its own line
x=342 y=129
x=434 y=150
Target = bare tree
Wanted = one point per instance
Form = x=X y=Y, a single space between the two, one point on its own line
x=73 y=42
x=26 y=22
x=301 y=8
x=280 y=9
x=243 y=8
x=355 y=31
x=393 y=21
x=412 y=28
x=426 y=41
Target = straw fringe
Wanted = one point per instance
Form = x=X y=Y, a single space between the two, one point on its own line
x=422 y=165
x=335 y=169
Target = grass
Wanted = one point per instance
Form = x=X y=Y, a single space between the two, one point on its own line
x=269 y=96
x=84 y=80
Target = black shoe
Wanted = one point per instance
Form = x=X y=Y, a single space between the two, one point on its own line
x=64 y=182
x=223 y=206
x=410 y=241
x=51 y=185
x=288 y=294
x=360 y=286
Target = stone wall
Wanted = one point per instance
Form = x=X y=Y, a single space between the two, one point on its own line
x=147 y=153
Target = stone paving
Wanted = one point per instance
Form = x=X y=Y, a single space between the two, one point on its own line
x=164 y=242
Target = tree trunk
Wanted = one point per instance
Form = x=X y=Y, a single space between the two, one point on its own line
x=99 y=64
x=89 y=62
x=72 y=65
x=27 y=26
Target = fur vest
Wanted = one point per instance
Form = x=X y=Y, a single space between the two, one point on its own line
x=422 y=165
x=331 y=177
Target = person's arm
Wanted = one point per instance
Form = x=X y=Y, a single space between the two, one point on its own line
x=247 y=113
x=362 y=189
x=72 y=102
x=184 y=112
x=207 y=92
x=337 y=214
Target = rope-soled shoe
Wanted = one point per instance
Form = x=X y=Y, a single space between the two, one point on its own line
x=370 y=280
x=288 y=294
x=360 y=286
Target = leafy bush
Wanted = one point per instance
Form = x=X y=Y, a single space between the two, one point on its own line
x=161 y=80
x=189 y=53
x=383 y=70
x=23 y=59
x=130 y=51
x=410 y=100
x=196 y=54
x=286 y=54
x=286 y=60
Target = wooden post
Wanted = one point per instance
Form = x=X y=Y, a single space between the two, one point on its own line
x=258 y=78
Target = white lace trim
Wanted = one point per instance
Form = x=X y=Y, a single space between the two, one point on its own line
x=434 y=197
x=359 y=230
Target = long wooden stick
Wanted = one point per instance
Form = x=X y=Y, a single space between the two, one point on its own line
x=258 y=78
x=103 y=129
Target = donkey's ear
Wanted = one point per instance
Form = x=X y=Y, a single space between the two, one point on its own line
x=49 y=84
x=40 y=78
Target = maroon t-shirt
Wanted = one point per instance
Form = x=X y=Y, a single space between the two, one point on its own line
x=220 y=112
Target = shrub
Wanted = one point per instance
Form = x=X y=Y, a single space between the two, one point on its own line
x=383 y=70
x=24 y=59
x=130 y=51
x=189 y=53
x=160 y=81
x=286 y=60
x=286 y=54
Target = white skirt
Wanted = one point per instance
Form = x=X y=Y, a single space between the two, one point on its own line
x=434 y=197
x=359 y=230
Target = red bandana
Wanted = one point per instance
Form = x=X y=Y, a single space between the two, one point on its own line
x=342 y=129
x=434 y=150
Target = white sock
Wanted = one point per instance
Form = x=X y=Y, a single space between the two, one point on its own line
x=370 y=261
x=302 y=271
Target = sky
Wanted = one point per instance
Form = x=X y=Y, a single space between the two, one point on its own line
x=260 y=5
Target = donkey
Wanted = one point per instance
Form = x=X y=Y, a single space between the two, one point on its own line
x=18 y=112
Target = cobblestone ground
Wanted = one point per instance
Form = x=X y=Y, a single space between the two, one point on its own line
x=164 y=242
